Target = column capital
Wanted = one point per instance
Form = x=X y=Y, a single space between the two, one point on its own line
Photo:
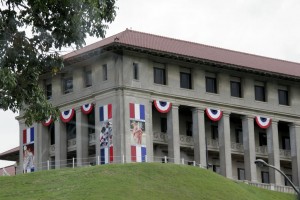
x=226 y=112
x=175 y=105
x=198 y=109
x=294 y=124
x=244 y=117
x=274 y=121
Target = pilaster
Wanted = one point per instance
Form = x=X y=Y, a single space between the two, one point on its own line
x=295 y=152
x=82 y=140
x=60 y=145
x=173 y=134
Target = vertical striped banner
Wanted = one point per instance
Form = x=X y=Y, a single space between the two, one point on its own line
x=28 y=135
x=138 y=153
x=137 y=111
x=107 y=155
x=105 y=112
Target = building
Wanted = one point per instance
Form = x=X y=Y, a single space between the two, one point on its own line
x=135 y=96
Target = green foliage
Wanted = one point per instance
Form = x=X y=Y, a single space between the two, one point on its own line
x=131 y=181
x=25 y=55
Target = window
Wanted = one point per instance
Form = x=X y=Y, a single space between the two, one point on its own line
x=241 y=174
x=52 y=134
x=104 y=72
x=265 y=177
x=189 y=128
x=216 y=168
x=135 y=71
x=163 y=125
x=185 y=78
x=286 y=144
x=88 y=78
x=67 y=84
x=91 y=122
x=214 y=132
x=262 y=139
x=48 y=88
x=260 y=93
x=211 y=83
x=239 y=135
x=71 y=129
x=160 y=74
x=286 y=183
x=283 y=97
x=235 y=87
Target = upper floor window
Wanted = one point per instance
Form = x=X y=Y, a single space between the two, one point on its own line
x=48 y=89
x=211 y=83
x=185 y=78
x=189 y=128
x=67 y=82
x=163 y=125
x=239 y=135
x=235 y=87
x=104 y=72
x=159 y=72
x=262 y=139
x=88 y=78
x=135 y=71
x=214 y=132
x=260 y=94
x=283 y=95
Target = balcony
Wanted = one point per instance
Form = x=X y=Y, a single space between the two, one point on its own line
x=162 y=138
x=285 y=154
x=92 y=139
x=72 y=144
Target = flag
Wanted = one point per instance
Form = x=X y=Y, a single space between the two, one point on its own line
x=138 y=153
x=105 y=112
x=137 y=111
x=107 y=155
x=28 y=135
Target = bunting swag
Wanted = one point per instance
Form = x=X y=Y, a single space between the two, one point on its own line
x=263 y=122
x=67 y=115
x=87 y=108
x=48 y=121
x=214 y=115
x=162 y=106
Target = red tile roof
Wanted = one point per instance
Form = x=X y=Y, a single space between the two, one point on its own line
x=195 y=51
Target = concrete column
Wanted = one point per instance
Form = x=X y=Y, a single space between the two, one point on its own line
x=199 y=137
x=173 y=135
x=60 y=145
x=249 y=148
x=21 y=161
x=82 y=138
x=97 y=130
x=295 y=152
x=149 y=135
x=225 y=146
x=273 y=152
x=43 y=144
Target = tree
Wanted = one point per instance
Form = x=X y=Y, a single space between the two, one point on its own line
x=54 y=24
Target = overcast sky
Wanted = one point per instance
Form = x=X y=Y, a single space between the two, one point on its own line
x=268 y=28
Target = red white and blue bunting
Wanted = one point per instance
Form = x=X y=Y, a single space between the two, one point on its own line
x=162 y=106
x=213 y=114
x=263 y=122
x=67 y=115
x=87 y=108
x=48 y=121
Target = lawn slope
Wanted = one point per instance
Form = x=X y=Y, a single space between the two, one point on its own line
x=131 y=181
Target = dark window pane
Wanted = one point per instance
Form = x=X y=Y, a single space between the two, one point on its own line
x=260 y=93
x=49 y=91
x=68 y=85
x=239 y=136
x=52 y=134
x=189 y=128
x=241 y=174
x=286 y=144
x=159 y=76
x=185 y=80
x=135 y=71
x=265 y=177
x=262 y=139
x=235 y=89
x=211 y=85
x=104 y=71
x=286 y=183
x=88 y=78
x=215 y=133
x=283 y=97
x=163 y=125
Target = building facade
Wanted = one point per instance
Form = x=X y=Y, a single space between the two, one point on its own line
x=137 y=97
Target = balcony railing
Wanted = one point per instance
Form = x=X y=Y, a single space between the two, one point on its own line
x=285 y=154
x=237 y=147
x=261 y=150
x=162 y=138
x=72 y=144
x=212 y=144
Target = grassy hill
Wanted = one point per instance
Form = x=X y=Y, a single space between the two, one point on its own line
x=131 y=181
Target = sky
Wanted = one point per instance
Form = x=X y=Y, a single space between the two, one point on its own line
x=267 y=28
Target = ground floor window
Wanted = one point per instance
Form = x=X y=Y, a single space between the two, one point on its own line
x=241 y=174
x=265 y=177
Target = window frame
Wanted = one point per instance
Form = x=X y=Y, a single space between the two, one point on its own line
x=257 y=94
x=160 y=80
x=104 y=72
x=88 y=82
x=65 y=79
x=185 y=73
x=135 y=67
x=239 y=170
x=263 y=178
x=233 y=91
x=48 y=94
x=211 y=88
x=285 y=101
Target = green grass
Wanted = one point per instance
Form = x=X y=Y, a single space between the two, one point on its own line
x=131 y=181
